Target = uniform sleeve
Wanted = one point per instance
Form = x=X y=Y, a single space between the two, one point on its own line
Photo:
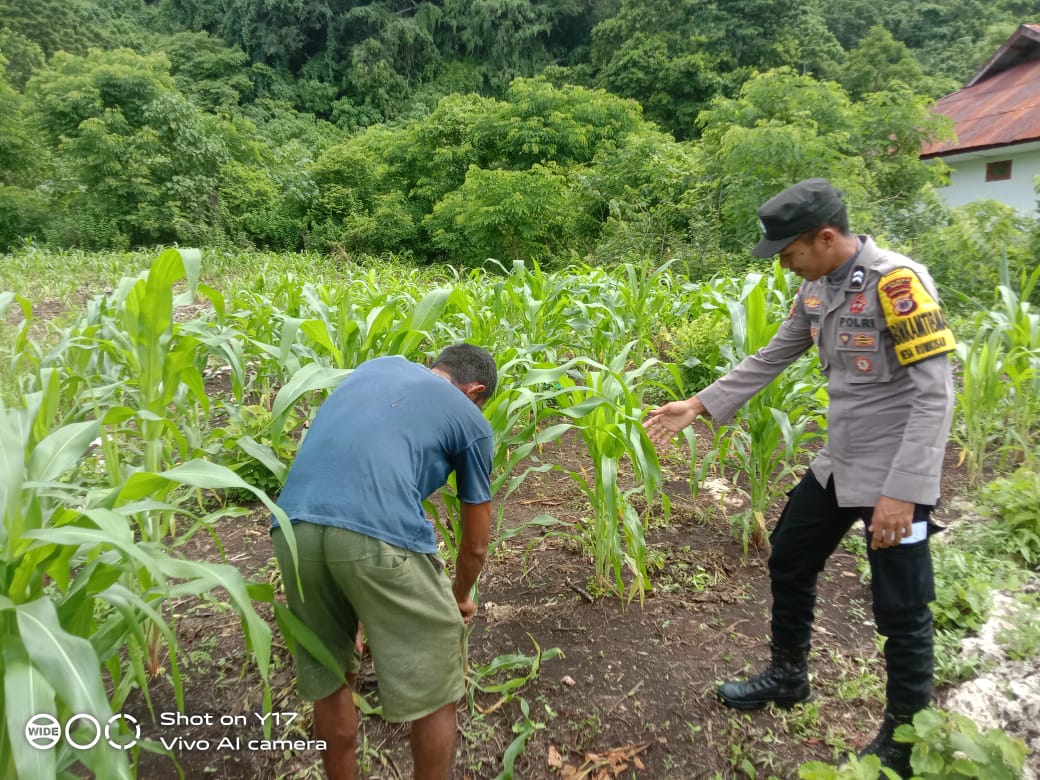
x=917 y=467
x=920 y=338
x=726 y=395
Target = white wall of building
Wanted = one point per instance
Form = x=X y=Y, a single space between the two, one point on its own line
x=968 y=177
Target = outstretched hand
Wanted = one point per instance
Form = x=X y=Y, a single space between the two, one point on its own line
x=664 y=422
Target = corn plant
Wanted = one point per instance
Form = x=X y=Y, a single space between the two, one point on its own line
x=1016 y=318
x=765 y=442
x=981 y=398
x=351 y=332
x=521 y=421
x=81 y=592
x=606 y=409
x=1000 y=368
x=46 y=667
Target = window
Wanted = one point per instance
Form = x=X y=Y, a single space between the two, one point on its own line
x=998 y=171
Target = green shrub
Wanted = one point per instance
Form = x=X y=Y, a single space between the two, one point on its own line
x=963 y=590
x=946 y=746
x=1013 y=504
x=695 y=346
x=1021 y=639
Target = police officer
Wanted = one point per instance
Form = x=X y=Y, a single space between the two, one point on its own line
x=876 y=321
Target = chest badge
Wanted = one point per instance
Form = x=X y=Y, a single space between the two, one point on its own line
x=859 y=303
x=864 y=365
x=858 y=278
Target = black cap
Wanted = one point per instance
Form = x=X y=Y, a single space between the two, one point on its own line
x=798 y=209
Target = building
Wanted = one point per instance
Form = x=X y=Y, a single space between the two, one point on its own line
x=996 y=117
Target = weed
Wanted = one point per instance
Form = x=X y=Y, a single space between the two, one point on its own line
x=1013 y=503
x=951 y=665
x=1021 y=640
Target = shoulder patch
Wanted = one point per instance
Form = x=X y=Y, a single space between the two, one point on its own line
x=915 y=319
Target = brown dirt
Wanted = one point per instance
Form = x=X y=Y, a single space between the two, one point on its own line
x=632 y=692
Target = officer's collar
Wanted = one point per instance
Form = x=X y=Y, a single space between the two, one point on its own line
x=839 y=274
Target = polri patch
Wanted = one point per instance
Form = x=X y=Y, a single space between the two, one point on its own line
x=859 y=303
x=915 y=319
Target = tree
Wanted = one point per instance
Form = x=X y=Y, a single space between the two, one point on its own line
x=675 y=56
x=137 y=162
x=280 y=33
x=23 y=57
x=539 y=123
x=57 y=25
x=942 y=35
x=508 y=215
x=891 y=128
x=21 y=160
x=442 y=182
x=785 y=127
x=637 y=189
x=214 y=76
x=881 y=63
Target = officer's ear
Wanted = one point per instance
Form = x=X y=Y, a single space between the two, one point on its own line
x=828 y=235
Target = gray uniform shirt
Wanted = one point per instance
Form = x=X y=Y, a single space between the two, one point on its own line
x=882 y=341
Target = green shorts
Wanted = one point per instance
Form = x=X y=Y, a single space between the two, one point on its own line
x=412 y=622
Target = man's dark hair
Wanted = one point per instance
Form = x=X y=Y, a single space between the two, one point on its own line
x=839 y=222
x=466 y=363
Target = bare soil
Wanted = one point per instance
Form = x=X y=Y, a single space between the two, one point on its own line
x=631 y=694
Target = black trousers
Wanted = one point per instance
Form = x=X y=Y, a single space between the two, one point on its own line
x=902 y=584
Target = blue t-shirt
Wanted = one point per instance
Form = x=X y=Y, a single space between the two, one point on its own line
x=385 y=439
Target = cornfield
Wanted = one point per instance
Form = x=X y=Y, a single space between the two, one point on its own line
x=166 y=404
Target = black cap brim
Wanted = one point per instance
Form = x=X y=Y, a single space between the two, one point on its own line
x=768 y=247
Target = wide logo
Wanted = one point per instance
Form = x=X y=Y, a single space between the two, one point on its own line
x=43 y=731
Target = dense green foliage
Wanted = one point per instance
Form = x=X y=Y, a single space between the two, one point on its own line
x=460 y=131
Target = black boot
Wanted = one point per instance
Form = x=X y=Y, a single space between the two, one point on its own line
x=894 y=755
x=784 y=682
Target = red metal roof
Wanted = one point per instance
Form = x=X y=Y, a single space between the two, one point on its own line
x=1001 y=104
x=1022 y=45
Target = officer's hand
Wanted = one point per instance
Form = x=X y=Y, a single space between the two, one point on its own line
x=468 y=609
x=893 y=520
x=664 y=422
